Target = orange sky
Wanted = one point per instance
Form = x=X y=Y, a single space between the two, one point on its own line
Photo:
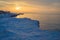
x=28 y=7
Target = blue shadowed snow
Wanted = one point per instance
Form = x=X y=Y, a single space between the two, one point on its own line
x=24 y=29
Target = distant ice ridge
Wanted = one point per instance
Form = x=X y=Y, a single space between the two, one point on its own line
x=24 y=29
x=6 y=14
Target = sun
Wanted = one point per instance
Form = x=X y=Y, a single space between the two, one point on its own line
x=18 y=8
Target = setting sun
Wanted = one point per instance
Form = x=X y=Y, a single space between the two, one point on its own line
x=18 y=8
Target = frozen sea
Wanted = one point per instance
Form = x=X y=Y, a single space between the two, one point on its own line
x=26 y=28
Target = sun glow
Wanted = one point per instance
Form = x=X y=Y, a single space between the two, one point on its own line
x=18 y=8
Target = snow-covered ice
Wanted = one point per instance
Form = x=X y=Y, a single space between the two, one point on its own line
x=24 y=29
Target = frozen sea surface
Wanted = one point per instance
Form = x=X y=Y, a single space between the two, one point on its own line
x=24 y=29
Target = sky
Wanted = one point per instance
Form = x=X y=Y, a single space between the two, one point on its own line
x=30 y=5
x=36 y=6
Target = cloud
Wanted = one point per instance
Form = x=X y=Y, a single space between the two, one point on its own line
x=36 y=2
x=43 y=2
x=40 y=4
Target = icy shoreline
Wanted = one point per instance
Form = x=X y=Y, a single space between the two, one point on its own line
x=24 y=29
